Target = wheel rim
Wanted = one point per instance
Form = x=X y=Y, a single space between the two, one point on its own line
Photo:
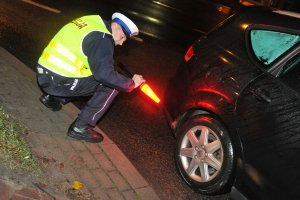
x=201 y=153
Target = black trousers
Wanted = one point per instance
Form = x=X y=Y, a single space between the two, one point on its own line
x=62 y=87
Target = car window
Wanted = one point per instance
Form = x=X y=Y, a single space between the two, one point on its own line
x=270 y=45
x=290 y=73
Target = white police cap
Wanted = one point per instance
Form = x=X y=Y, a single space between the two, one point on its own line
x=130 y=28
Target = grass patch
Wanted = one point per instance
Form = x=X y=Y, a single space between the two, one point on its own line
x=13 y=148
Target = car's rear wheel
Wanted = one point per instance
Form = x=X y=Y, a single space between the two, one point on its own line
x=204 y=155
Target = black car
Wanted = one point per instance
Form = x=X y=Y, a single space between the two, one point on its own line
x=234 y=106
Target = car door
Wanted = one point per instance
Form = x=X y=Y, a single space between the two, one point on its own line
x=268 y=112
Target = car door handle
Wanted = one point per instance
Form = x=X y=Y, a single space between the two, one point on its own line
x=261 y=94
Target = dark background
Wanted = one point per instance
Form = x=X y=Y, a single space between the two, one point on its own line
x=167 y=29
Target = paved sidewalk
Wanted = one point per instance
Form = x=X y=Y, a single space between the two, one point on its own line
x=103 y=169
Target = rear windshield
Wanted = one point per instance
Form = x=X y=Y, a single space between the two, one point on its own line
x=270 y=45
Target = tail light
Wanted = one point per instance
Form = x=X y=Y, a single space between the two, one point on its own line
x=149 y=92
x=189 y=54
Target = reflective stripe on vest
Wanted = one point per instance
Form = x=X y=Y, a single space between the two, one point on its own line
x=59 y=62
x=77 y=64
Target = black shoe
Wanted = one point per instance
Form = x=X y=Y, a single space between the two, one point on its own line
x=50 y=102
x=82 y=131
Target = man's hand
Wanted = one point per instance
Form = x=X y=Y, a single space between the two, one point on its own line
x=138 y=80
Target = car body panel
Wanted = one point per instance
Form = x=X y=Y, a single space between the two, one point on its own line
x=269 y=134
x=261 y=112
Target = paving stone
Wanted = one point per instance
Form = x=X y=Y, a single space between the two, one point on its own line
x=66 y=147
x=63 y=143
x=71 y=110
x=147 y=193
x=119 y=180
x=56 y=173
x=37 y=146
x=89 y=160
x=124 y=166
x=130 y=195
x=69 y=173
x=47 y=140
x=17 y=197
x=29 y=193
x=87 y=178
x=4 y=191
x=78 y=145
x=93 y=148
x=104 y=162
x=34 y=141
x=77 y=162
x=57 y=154
x=98 y=193
x=103 y=179
x=46 y=146
x=46 y=198
x=114 y=194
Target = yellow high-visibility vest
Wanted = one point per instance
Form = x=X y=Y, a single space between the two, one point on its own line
x=64 y=54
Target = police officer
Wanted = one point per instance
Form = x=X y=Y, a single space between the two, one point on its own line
x=78 y=61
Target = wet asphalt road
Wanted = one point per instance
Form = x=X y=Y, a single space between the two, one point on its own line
x=136 y=125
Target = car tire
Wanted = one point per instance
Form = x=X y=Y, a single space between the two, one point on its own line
x=204 y=155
